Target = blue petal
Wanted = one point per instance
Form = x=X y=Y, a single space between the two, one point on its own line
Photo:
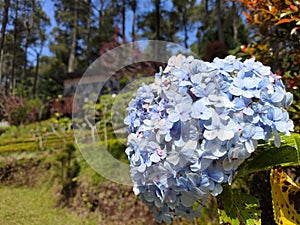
x=217 y=190
x=235 y=90
x=149 y=195
x=187 y=198
x=249 y=82
x=248 y=111
x=276 y=138
x=259 y=133
x=281 y=126
x=155 y=158
x=174 y=117
x=277 y=97
x=288 y=100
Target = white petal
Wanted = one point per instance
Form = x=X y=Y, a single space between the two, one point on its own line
x=210 y=134
x=224 y=135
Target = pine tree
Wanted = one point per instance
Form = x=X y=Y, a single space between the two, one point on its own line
x=222 y=29
x=4 y=18
x=72 y=30
x=187 y=14
x=159 y=23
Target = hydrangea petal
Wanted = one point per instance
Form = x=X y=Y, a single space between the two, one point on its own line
x=193 y=127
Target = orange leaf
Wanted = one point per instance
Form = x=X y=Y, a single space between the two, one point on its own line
x=294 y=30
x=272 y=12
x=285 y=20
x=294 y=8
x=248 y=16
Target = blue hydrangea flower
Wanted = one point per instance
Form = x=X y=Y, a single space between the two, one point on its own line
x=192 y=128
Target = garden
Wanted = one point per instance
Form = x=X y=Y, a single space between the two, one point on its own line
x=150 y=112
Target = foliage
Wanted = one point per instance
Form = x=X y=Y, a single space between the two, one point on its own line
x=117 y=149
x=67 y=170
x=238 y=208
x=32 y=137
x=285 y=195
x=25 y=36
x=2 y=104
x=49 y=87
x=276 y=42
x=208 y=44
x=16 y=110
x=265 y=158
x=159 y=23
x=61 y=126
x=267 y=155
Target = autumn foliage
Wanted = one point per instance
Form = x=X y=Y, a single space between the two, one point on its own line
x=276 y=42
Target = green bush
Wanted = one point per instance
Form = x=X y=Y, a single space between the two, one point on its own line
x=117 y=149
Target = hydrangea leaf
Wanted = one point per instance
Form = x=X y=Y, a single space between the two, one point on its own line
x=267 y=155
x=238 y=208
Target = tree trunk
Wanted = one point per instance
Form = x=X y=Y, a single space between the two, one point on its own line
x=157 y=11
x=234 y=22
x=71 y=63
x=185 y=24
x=123 y=19
x=12 y=84
x=89 y=22
x=36 y=75
x=133 y=8
x=2 y=35
x=185 y=36
x=28 y=26
x=1 y=63
x=101 y=9
x=219 y=21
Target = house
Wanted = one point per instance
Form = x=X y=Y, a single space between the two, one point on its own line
x=70 y=81
x=95 y=81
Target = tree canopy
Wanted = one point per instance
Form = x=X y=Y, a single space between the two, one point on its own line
x=81 y=30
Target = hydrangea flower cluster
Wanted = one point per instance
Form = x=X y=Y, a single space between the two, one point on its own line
x=193 y=127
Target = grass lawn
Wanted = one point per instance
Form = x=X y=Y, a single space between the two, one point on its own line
x=33 y=206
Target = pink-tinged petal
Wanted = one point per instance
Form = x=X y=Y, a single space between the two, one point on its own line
x=224 y=135
x=210 y=134
x=248 y=111
x=155 y=158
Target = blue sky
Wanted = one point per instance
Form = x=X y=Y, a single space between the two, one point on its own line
x=144 y=6
x=48 y=7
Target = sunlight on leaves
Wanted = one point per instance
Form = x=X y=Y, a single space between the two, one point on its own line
x=268 y=156
x=238 y=208
x=285 y=198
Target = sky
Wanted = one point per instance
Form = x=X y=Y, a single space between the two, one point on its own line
x=48 y=7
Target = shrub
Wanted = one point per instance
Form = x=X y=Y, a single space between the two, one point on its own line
x=16 y=110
